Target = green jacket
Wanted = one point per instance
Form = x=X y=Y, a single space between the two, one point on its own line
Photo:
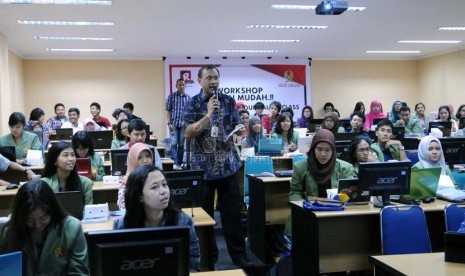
x=97 y=167
x=395 y=152
x=419 y=165
x=294 y=140
x=28 y=141
x=413 y=126
x=64 y=251
x=86 y=187
x=303 y=184
x=116 y=143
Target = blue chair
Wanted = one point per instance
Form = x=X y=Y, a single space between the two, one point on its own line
x=298 y=157
x=255 y=164
x=11 y=264
x=412 y=155
x=404 y=230
x=454 y=214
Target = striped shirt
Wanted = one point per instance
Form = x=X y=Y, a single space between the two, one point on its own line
x=175 y=106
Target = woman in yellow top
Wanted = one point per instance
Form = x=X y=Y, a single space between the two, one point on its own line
x=22 y=140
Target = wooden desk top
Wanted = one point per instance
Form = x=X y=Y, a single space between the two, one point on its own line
x=369 y=209
x=273 y=179
x=232 y=272
x=201 y=219
x=418 y=264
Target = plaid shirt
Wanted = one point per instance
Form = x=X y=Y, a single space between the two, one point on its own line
x=175 y=105
x=55 y=122
x=217 y=157
x=4 y=163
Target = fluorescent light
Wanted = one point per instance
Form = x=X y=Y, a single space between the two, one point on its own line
x=58 y=2
x=430 y=41
x=266 y=40
x=248 y=51
x=303 y=27
x=393 y=52
x=79 y=50
x=452 y=29
x=39 y=37
x=308 y=7
x=64 y=23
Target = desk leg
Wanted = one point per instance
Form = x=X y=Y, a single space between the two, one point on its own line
x=204 y=233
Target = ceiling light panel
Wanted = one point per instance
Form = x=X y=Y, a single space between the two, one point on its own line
x=38 y=37
x=248 y=51
x=79 y=50
x=308 y=7
x=430 y=41
x=452 y=29
x=64 y=23
x=58 y=2
x=266 y=40
x=393 y=52
x=299 y=27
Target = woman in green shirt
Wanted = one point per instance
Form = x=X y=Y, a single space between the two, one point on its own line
x=285 y=131
x=84 y=148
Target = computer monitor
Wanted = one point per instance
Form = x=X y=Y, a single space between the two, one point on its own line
x=445 y=127
x=119 y=160
x=385 y=179
x=342 y=150
x=64 y=134
x=147 y=133
x=9 y=152
x=344 y=136
x=101 y=139
x=185 y=187
x=314 y=125
x=454 y=150
x=139 y=251
x=72 y=202
x=398 y=133
x=345 y=123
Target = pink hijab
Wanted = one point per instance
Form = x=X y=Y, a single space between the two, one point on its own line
x=370 y=116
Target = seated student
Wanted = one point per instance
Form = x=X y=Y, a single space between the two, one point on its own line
x=359 y=107
x=269 y=120
x=73 y=121
x=386 y=148
x=307 y=115
x=320 y=171
x=84 y=148
x=444 y=115
x=22 y=140
x=360 y=151
x=6 y=164
x=419 y=114
x=331 y=123
x=258 y=107
x=36 y=117
x=376 y=112
x=285 y=131
x=139 y=154
x=120 y=114
x=411 y=125
x=95 y=112
x=254 y=135
x=121 y=134
x=328 y=107
x=460 y=117
x=430 y=155
x=137 y=134
x=52 y=242
x=244 y=116
x=61 y=174
x=356 y=122
x=394 y=114
x=148 y=204
x=90 y=125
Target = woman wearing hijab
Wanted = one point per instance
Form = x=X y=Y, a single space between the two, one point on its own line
x=320 y=171
x=331 y=123
x=139 y=154
x=430 y=155
x=376 y=112
x=91 y=125
x=394 y=114
x=307 y=115
x=254 y=135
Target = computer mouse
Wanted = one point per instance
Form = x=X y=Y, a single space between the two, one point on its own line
x=12 y=187
x=428 y=199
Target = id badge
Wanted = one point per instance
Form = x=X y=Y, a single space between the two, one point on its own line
x=214 y=132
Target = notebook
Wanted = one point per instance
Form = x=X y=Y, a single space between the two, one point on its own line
x=72 y=202
x=84 y=168
x=351 y=188
x=423 y=183
x=270 y=147
x=11 y=264
x=64 y=133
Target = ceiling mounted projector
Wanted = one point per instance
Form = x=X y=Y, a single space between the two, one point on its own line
x=332 y=7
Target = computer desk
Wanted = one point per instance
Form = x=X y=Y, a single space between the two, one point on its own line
x=415 y=265
x=342 y=240
x=203 y=223
x=268 y=205
x=232 y=272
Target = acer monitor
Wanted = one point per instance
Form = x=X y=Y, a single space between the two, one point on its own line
x=185 y=187
x=119 y=160
x=445 y=127
x=383 y=179
x=101 y=139
x=454 y=150
x=342 y=150
x=139 y=251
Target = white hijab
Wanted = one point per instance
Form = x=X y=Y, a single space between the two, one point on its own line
x=423 y=154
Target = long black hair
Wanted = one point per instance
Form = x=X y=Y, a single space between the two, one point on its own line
x=118 y=133
x=135 y=211
x=30 y=196
x=279 y=129
x=82 y=138
x=353 y=147
x=73 y=182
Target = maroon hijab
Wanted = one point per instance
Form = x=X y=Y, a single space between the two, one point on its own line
x=322 y=173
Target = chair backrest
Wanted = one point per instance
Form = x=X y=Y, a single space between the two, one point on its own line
x=255 y=164
x=454 y=214
x=404 y=230
x=412 y=155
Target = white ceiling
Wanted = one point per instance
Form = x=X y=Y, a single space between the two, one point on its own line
x=151 y=29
